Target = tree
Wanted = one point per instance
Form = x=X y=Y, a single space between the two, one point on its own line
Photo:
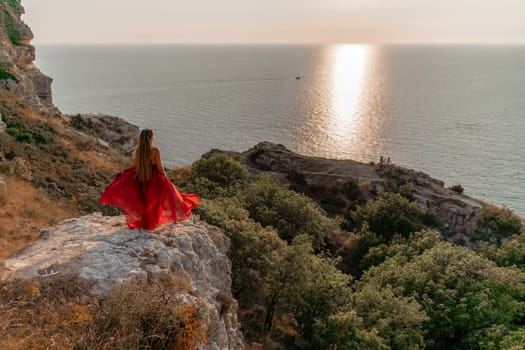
x=409 y=247
x=217 y=176
x=309 y=287
x=511 y=252
x=289 y=212
x=388 y=214
x=254 y=250
x=345 y=331
x=397 y=319
x=497 y=223
x=462 y=293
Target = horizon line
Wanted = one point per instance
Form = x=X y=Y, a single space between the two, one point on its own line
x=36 y=42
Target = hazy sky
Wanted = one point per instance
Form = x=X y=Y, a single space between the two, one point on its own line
x=286 y=21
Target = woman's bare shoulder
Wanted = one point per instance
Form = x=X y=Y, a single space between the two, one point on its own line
x=155 y=150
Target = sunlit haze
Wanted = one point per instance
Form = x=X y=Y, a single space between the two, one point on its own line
x=276 y=21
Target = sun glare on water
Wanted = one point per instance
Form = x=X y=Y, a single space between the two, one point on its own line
x=348 y=78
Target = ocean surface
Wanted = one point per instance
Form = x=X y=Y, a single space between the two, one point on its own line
x=455 y=112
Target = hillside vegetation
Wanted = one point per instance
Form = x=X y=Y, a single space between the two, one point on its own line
x=409 y=289
x=50 y=171
x=375 y=260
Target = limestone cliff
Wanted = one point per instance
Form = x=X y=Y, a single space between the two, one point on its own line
x=104 y=251
x=18 y=74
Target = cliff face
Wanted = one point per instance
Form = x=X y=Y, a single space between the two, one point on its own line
x=104 y=251
x=18 y=74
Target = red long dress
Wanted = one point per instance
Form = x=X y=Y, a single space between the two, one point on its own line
x=150 y=203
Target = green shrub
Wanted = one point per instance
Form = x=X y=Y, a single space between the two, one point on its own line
x=22 y=133
x=351 y=190
x=409 y=247
x=309 y=286
x=515 y=340
x=4 y=168
x=462 y=293
x=397 y=319
x=217 y=176
x=388 y=214
x=457 y=188
x=221 y=211
x=252 y=247
x=11 y=30
x=511 y=251
x=10 y=155
x=497 y=223
x=5 y=76
x=76 y=121
x=345 y=331
x=84 y=124
x=271 y=279
x=14 y=4
x=256 y=152
x=291 y=213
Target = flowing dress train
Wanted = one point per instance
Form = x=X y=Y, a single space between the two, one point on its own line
x=151 y=203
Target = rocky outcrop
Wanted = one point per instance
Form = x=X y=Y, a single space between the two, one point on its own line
x=457 y=213
x=18 y=74
x=104 y=251
x=277 y=158
x=338 y=185
x=106 y=130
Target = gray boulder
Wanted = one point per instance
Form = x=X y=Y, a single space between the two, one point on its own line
x=104 y=251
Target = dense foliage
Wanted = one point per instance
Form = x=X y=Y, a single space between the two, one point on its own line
x=511 y=252
x=411 y=289
x=217 y=176
x=388 y=214
x=497 y=223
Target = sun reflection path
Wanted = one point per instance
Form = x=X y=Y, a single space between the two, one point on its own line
x=349 y=75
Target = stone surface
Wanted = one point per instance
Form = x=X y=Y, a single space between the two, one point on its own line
x=113 y=130
x=277 y=158
x=103 y=250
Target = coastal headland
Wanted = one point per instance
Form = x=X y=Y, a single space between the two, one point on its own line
x=286 y=251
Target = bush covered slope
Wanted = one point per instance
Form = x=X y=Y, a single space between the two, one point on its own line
x=410 y=289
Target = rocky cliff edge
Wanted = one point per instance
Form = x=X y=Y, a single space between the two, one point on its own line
x=104 y=251
x=330 y=182
x=18 y=73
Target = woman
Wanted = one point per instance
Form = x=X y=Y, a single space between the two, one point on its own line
x=144 y=193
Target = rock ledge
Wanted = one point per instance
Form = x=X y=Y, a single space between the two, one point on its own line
x=103 y=250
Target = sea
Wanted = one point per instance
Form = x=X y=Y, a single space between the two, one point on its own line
x=455 y=112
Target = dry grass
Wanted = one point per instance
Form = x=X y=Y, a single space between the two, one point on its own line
x=41 y=315
x=101 y=161
x=24 y=211
x=57 y=314
x=62 y=180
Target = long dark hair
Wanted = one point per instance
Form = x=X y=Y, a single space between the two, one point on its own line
x=143 y=155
